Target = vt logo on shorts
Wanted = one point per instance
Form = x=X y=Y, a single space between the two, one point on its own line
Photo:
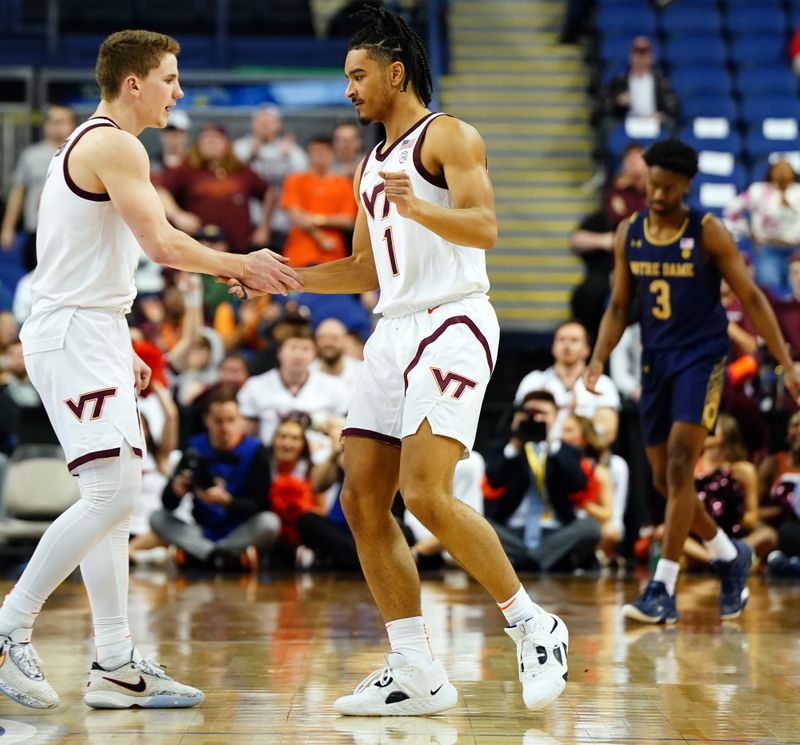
x=99 y=399
x=443 y=382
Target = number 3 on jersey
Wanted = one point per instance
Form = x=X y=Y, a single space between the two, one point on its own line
x=662 y=309
x=387 y=236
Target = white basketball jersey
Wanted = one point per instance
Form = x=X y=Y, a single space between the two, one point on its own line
x=417 y=269
x=86 y=254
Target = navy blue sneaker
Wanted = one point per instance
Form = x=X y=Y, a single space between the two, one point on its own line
x=781 y=565
x=733 y=576
x=655 y=606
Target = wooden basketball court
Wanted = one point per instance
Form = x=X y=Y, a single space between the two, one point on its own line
x=272 y=653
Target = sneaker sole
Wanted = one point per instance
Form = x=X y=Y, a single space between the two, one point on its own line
x=112 y=700
x=445 y=699
x=25 y=700
x=634 y=614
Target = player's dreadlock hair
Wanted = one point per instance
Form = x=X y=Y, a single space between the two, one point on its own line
x=672 y=155
x=386 y=36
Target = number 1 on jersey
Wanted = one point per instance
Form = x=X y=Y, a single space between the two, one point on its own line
x=387 y=236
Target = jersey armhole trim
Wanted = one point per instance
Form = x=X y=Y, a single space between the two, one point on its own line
x=73 y=187
x=439 y=181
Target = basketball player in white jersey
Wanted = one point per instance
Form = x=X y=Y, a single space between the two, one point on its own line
x=426 y=217
x=98 y=210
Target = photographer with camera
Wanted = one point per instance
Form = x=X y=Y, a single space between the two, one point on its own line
x=228 y=476
x=537 y=492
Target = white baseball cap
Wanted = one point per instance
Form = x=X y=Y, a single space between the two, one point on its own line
x=178 y=119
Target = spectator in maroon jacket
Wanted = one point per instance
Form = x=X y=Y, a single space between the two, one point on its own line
x=627 y=193
x=213 y=187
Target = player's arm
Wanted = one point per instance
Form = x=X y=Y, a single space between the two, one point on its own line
x=118 y=161
x=615 y=318
x=14 y=205
x=458 y=151
x=353 y=274
x=719 y=243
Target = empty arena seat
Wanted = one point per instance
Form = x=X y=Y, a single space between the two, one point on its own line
x=698 y=79
x=757 y=108
x=629 y=132
x=708 y=105
x=712 y=133
x=756 y=19
x=679 y=19
x=758 y=51
x=634 y=19
x=766 y=80
x=772 y=136
x=700 y=50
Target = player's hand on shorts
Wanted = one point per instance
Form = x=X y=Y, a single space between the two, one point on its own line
x=593 y=372
x=267 y=271
x=141 y=373
x=398 y=190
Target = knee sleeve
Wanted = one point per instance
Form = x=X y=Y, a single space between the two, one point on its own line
x=110 y=486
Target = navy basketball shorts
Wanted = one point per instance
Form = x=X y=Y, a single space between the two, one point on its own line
x=681 y=385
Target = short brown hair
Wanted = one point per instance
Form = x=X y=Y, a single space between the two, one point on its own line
x=126 y=52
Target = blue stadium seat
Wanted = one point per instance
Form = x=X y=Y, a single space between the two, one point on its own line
x=635 y=19
x=769 y=4
x=618 y=138
x=737 y=177
x=731 y=143
x=757 y=19
x=708 y=105
x=700 y=50
x=758 y=51
x=678 y=19
x=696 y=79
x=761 y=80
x=712 y=196
x=758 y=145
x=756 y=108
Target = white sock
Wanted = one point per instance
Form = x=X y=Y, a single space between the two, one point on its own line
x=721 y=547
x=409 y=636
x=519 y=607
x=113 y=642
x=667 y=572
x=19 y=611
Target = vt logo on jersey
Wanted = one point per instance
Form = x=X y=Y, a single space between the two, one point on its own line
x=99 y=399
x=443 y=382
x=370 y=200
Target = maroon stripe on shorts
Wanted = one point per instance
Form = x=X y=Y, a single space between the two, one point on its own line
x=370 y=435
x=97 y=454
x=470 y=324
x=110 y=453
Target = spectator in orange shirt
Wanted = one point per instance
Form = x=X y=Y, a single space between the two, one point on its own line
x=320 y=205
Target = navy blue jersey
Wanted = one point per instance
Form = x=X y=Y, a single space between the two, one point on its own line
x=679 y=303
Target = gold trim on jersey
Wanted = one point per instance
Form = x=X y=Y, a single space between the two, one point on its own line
x=667 y=242
x=706 y=218
x=713 y=395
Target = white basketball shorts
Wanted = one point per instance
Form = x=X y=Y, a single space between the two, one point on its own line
x=81 y=363
x=434 y=364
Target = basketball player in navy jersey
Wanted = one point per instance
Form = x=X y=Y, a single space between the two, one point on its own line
x=675 y=257
x=98 y=211
x=426 y=217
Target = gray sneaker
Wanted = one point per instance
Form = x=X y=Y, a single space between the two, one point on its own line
x=138 y=683
x=21 y=676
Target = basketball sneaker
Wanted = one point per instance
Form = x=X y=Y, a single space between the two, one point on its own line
x=733 y=577
x=140 y=682
x=21 y=676
x=542 y=645
x=400 y=689
x=655 y=606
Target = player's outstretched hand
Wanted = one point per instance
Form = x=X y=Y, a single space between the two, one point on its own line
x=267 y=271
x=592 y=375
x=238 y=290
x=398 y=190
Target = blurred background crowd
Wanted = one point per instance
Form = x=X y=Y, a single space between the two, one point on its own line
x=244 y=412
